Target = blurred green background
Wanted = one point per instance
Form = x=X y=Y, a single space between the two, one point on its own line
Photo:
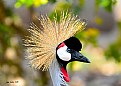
x=101 y=41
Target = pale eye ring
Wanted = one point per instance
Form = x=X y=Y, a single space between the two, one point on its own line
x=68 y=50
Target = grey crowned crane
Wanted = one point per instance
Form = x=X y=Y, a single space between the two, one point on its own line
x=52 y=46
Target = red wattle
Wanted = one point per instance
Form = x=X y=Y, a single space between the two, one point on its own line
x=65 y=74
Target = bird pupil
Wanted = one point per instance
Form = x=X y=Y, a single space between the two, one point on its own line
x=68 y=50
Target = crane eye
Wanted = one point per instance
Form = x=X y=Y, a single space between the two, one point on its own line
x=68 y=50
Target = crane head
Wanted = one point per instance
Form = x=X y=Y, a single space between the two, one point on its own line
x=68 y=51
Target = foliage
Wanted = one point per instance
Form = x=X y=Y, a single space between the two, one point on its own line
x=114 y=50
x=29 y=3
x=88 y=36
x=106 y=4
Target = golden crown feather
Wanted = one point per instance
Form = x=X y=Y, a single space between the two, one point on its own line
x=41 y=44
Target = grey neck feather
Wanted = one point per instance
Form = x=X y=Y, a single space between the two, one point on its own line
x=56 y=75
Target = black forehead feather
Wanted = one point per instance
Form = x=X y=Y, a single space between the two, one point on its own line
x=73 y=43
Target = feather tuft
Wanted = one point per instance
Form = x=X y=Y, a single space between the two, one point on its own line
x=43 y=40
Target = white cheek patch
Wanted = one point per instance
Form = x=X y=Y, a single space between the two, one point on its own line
x=63 y=54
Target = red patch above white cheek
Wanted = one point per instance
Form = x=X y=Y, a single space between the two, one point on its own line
x=61 y=45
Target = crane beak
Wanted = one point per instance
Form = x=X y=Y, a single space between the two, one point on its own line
x=76 y=56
